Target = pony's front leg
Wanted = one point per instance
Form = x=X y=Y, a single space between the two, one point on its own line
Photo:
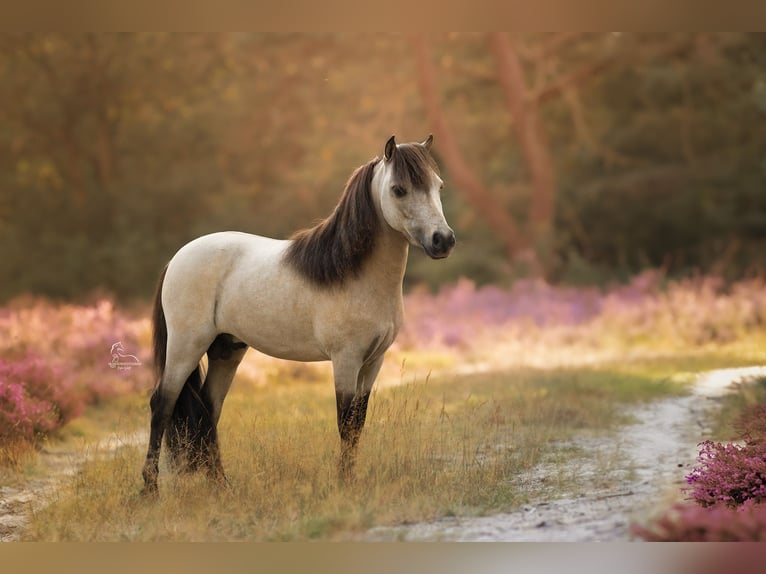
x=353 y=385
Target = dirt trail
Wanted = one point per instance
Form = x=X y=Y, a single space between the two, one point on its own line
x=658 y=451
x=56 y=463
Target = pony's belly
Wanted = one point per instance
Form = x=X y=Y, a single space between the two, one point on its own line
x=293 y=354
x=290 y=350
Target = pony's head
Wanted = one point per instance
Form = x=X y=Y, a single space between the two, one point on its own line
x=409 y=189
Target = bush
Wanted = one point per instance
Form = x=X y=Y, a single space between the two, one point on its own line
x=729 y=488
x=55 y=361
x=35 y=398
x=693 y=523
x=729 y=474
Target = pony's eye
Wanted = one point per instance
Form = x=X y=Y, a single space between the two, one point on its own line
x=399 y=191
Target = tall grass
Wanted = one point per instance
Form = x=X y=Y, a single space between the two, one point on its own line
x=454 y=446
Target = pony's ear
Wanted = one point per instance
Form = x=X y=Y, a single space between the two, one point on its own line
x=429 y=142
x=388 y=153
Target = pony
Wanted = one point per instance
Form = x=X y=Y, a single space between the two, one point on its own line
x=331 y=292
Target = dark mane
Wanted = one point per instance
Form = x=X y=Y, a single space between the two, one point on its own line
x=337 y=247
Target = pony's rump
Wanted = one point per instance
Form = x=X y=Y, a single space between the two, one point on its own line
x=191 y=434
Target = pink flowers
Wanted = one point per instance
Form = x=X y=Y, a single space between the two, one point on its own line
x=729 y=488
x=54 y=361
x=692 y=523
x=30 y=402
x=729 y=474
x=650 y=310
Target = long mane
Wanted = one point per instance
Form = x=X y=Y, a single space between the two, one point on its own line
x=337 y=247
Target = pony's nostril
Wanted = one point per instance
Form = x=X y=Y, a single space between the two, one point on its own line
x=442 y=243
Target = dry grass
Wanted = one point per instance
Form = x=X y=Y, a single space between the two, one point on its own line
x=459 y=445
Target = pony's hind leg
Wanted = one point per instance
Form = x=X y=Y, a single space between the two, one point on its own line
x=181 y=366
x=159 y=419
x=224 y=356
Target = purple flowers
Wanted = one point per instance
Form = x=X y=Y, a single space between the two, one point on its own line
x=729 y=488
x=34 y=399
x=729 y=474
x=648 y=310
x=54 y=361
x=693 y=523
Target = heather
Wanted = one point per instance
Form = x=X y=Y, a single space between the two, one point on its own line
x=515 y=373
x=727 y=488
x=692 y=523
x=533 y=323
x=729 y=474
x=55 y=357
x=54 y=361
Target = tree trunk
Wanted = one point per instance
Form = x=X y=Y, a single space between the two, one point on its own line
x=534 y=147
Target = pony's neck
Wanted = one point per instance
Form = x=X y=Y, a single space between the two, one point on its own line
x=391 y=248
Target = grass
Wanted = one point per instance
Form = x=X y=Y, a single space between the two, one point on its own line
x=734 y=404
x=452 y=445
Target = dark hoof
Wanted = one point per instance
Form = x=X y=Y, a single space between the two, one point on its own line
x=150 y=491
x=219 y=479
x=346 y=472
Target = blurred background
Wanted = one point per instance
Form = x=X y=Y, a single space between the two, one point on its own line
x=580 y=159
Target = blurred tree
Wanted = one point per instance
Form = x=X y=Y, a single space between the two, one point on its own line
x=533 y=245
x=680 y=112
x=590 y=156
x=81 y=111
x=577 y=91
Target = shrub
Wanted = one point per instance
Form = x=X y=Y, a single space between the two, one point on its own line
x=693 y=523
x=729 y=488
x=35 y=398
x=54 y=361
x=729 y=474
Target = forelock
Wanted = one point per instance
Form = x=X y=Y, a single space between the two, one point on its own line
x=412 y=164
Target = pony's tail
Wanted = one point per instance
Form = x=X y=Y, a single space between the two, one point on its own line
x=191 y=437
x=159 y=330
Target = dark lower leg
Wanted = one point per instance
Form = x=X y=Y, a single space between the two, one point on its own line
x=352 y=411
x=212 y=456
x=158 y=422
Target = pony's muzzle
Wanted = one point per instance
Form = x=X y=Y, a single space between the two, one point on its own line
x=441 y=244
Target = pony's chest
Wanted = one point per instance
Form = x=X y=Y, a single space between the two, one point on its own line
x=358 y=322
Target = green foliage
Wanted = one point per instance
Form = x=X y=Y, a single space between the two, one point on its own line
x=115 y=149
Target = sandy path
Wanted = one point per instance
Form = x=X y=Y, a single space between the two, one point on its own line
x=56 y=463
x=658 y=451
